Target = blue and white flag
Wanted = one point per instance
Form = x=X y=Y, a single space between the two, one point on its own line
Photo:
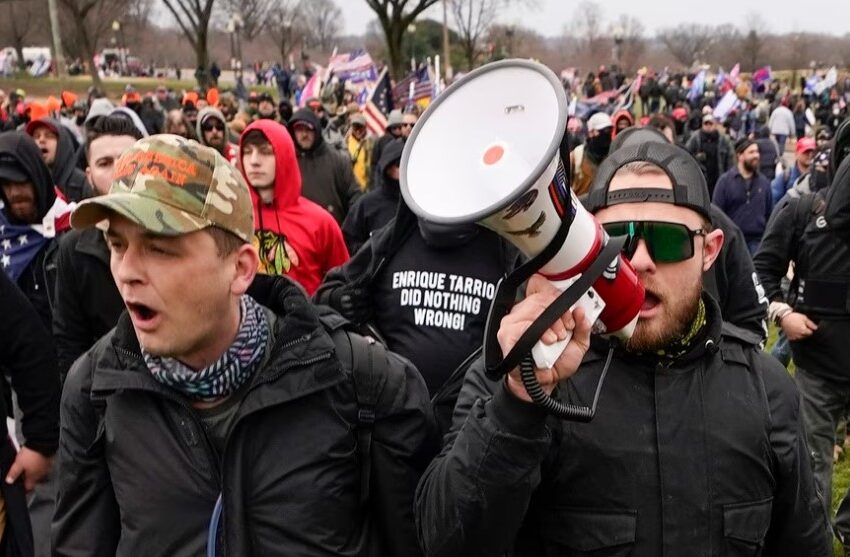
x=19 y=245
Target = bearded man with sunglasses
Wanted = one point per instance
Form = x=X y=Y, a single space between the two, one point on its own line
x=212 y=132
x=697 y=446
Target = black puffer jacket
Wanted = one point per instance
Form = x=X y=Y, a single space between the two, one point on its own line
x=376 y=208
x=146 y=480
x=705 y=456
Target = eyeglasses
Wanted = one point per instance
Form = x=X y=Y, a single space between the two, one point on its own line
x=666 y=242
x=208 y=127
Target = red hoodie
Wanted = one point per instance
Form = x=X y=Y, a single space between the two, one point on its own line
x=295 y=236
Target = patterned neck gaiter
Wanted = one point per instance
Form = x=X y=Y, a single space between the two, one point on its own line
x=231 y=371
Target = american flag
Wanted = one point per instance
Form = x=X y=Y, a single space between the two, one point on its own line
x=20 y=243
x=423 y=87
x=354 y=67
x=378 y=105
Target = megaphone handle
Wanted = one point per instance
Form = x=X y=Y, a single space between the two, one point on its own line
x=497 y=368
x=545 y=355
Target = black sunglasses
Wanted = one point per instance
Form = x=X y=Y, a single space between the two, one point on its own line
x=208 y=127
x=667 y=242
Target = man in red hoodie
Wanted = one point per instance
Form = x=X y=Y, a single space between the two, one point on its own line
x=295 y=237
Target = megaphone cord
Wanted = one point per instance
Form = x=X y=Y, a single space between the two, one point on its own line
x=565 y=411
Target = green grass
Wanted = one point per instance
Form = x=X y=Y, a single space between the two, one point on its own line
x=841 y=470
x=43 y=87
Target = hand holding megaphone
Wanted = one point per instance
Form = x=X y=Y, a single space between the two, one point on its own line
x=572 y=330
x=502 y=169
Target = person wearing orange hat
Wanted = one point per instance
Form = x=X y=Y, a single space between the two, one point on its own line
x=803 y=154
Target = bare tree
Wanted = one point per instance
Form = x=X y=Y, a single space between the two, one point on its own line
x=286 y=26
x=394 y=17
x=723 y=49
x=255 y=15
x=754 y=40
x=323 y=20
x=193 y=18
x=630 y=31
x=589 y=20
x=474 y=18
x=686 y=42
x=17 y=26
x=90 y=22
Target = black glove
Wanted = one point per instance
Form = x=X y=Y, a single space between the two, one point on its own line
x=352 y=303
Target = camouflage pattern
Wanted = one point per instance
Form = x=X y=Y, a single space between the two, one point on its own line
x=171 y=186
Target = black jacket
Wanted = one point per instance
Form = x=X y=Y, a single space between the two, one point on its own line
x=327 y=177
x=86 y=301
x=146 y=480
x=377 y=207
x=733 y=282
x=27 y=355
x=704 y=457
x=798 y=232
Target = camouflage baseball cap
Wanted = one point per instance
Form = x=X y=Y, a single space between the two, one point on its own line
x=171 y=186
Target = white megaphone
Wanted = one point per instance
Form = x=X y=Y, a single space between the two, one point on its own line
x=487 y=151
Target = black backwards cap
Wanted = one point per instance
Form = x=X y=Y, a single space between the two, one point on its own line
x=645 y=145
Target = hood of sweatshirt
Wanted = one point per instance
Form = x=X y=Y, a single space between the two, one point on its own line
x=65 y=160
x=203 y=115
x=19 y=148
x=307 y=116
x=287 y=179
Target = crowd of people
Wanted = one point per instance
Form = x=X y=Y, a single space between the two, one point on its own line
x=225 y=333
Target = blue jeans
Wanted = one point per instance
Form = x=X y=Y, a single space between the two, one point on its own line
x=780 y=140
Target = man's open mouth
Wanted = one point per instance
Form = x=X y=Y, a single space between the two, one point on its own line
x=141 y=312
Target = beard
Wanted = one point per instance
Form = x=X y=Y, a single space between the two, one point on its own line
x=752 y=165
x=678 y=311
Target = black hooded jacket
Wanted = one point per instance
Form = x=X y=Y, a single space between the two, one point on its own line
x=139 y=476
x=397 y=249
x=327 y=177
x=34 y=281
x=703 y=455
x=815 y=236
x=377 y=207
x=66 y=175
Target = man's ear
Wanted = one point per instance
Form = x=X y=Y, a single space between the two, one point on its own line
x=711 y=248
x=246 y=263
x=88 y=177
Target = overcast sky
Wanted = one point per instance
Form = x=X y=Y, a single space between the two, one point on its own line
x=782 y=16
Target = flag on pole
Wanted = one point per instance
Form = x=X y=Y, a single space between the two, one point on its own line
x=697 y=87
x=378 y=105
x=353 y=67
x=761 y=76
x=830 y=80
x=423 y=88
x=313 y=87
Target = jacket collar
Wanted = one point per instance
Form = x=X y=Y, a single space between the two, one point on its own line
x=300 y=361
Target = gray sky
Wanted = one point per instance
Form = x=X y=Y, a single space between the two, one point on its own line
x=827 y=16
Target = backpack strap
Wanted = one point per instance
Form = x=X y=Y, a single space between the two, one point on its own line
x=367 y=361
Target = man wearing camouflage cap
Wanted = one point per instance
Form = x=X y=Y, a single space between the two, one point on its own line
x=211 y=414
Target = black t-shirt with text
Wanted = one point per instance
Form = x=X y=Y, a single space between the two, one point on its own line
x=431 y=304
